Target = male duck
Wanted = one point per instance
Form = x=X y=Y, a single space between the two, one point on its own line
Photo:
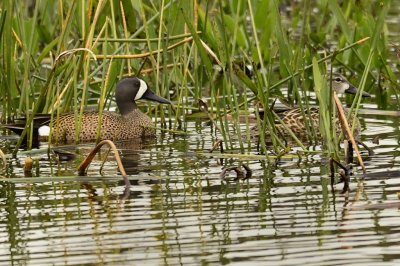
x=130 y=123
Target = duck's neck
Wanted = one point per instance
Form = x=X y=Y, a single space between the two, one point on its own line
x=126 y=107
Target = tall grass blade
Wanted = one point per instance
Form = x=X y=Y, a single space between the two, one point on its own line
x=323 y=94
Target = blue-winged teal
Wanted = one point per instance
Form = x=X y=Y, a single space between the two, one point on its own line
x=294 y=119
x=130 y=123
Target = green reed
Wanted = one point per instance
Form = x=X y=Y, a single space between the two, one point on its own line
x=135 y=38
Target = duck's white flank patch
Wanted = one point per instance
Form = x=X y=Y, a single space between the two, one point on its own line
x=44 y=131
x=142 y=90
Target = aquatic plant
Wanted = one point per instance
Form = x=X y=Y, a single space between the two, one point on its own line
x=60 y=56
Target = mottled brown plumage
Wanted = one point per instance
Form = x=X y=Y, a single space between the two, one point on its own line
x=295 y=120
x=113 y=126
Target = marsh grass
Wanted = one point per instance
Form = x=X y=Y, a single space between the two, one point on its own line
x=194 y=49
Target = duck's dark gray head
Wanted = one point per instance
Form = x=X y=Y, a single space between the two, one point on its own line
x=341 y=85
x=132 y=89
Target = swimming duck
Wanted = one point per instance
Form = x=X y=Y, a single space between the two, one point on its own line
x=129 y=123
x=294 y=119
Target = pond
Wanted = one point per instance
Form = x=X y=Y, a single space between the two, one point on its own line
x=180 y=211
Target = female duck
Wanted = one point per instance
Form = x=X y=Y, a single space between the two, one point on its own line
x=294 y=119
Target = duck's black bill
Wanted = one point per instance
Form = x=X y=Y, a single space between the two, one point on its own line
x=149 y=95
x=353 y=90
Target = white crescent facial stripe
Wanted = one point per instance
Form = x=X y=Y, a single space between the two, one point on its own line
x=142 y=90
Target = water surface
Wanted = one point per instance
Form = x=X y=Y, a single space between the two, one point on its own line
x=179 y=211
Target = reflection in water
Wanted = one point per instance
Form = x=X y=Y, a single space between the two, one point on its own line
x=180 y=211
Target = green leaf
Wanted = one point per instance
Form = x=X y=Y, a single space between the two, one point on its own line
x=233 y=27
x=203 y=54
x=338 y=14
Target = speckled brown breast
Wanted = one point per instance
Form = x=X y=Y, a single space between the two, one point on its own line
x=113 y=127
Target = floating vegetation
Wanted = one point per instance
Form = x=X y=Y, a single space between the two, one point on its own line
x=240 y=174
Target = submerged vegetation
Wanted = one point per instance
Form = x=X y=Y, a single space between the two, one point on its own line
x=238 y=56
